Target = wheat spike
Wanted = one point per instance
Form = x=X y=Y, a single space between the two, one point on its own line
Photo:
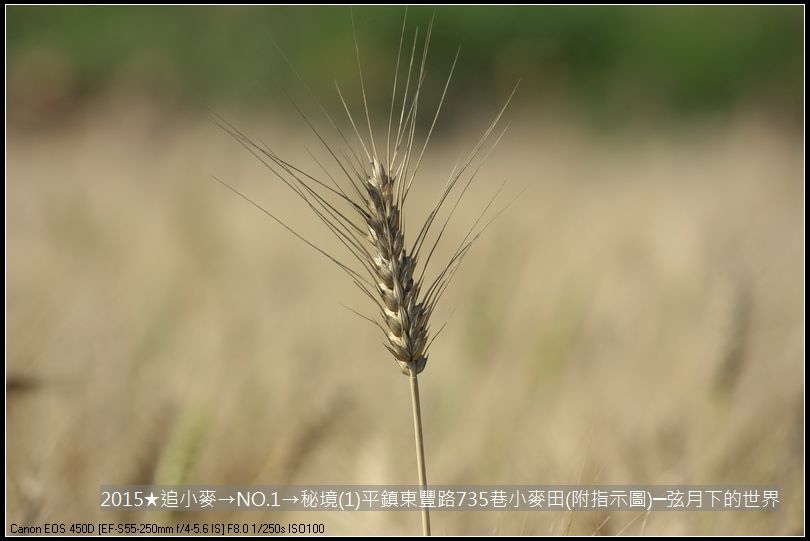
x=378 y=186
x=404 y=315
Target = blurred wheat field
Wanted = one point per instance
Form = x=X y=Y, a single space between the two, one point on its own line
x=635 y=317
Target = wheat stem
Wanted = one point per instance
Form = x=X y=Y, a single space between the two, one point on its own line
x=420 y=445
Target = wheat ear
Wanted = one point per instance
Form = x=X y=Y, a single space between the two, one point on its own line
x=389 y=276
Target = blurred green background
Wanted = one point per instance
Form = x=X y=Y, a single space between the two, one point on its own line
x=609 y=60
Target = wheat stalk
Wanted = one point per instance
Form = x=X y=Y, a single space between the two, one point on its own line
x=374 y=192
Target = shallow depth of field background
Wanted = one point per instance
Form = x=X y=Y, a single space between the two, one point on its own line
x=634 y=317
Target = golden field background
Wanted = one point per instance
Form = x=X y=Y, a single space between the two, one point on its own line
x=635 y=317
